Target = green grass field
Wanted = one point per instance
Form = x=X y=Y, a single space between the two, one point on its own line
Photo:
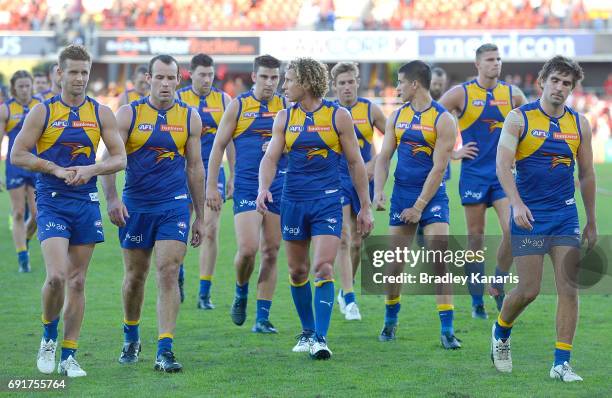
x=221 y=359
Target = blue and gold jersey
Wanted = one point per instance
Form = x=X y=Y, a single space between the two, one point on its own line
x=132 y=95
x=70 y=137
x=16 y=115
x=211 y=108
x=45 y=95
x=314 y=150
x=481 y=122
x=545 y=158
x=253 y=129
x=155 y=175
x=361 y=113
x=415 y=135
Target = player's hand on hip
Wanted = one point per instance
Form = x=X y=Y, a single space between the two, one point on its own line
x=213 y=199
x=229 y=188
x=117 y=212
x=522 y=216
x=82 y=175
x=197 y=232
x=263 y=196
x=411 y=215
x=589 y=234
x=467 y=151
x=365 y=221
x=379 y=201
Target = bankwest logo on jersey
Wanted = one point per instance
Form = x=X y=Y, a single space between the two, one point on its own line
x=421 y=127
x=565 y=136
x=170 y=128
x=75 y=123
x=314 y=129
x=360 y=121
x=210 y=110
x=498 y=102
x=253 y=115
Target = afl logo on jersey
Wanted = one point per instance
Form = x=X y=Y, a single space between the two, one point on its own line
x=478 y=102
x=296 y=128
x=250 y=115
x=539 y=133
x=145 y=127
x=60 y=124
x=403 y=125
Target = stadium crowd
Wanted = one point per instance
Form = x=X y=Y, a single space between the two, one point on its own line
x=73 y=15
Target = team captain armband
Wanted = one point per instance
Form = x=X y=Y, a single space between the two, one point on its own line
x=508 y=138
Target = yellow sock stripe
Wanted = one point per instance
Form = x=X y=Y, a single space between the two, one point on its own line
x=445 y=307
x=503 y=323
x=563 y=346
x=322 y=282
x=393 y=301
x=131 y=323
x=70 y=344
x=166 y=335
x=22 y=249
x=206 y=277
x=299 y=284
x=44 y=321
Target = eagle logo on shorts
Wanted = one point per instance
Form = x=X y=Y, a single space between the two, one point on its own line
x=317 y=152
x=493 y=124
x=557 y=160
x=77 y=149
x=418 y=147
x=162 y=153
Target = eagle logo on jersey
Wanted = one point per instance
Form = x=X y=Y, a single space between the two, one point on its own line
x=493 y=124
x=418 y=147
x=317 y=152
x=162 y=153
x=77 y=149
x=558 y=160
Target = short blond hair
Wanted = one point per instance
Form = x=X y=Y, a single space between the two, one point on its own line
x=343 y=67
x=312 y=75
x=74 y=52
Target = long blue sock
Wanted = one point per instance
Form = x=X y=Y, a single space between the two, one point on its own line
x=164 y=343
x=263 y=309
x=69 y=347
x=499 y=286
x=23 y=257
x=131 y=332
x=502 y=329
x=205 y=284
x=563 y=352
x=349 y=298
x=50 y=329
x=392 y=308
x=302 y=298
x=446 y=313
x=242 y=291
x=475 y=289
x=323 y=304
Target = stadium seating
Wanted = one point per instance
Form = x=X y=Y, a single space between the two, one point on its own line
x=307 y=14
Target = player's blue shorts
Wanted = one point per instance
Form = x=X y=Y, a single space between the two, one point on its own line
x=403 y=198
x=474 y=190
x=301 y=220
x=246 y=200
x=349 y=194
x=220 y=181
x=142 y=230
x=17 y=177
x=550 y=228
x=79 y=221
